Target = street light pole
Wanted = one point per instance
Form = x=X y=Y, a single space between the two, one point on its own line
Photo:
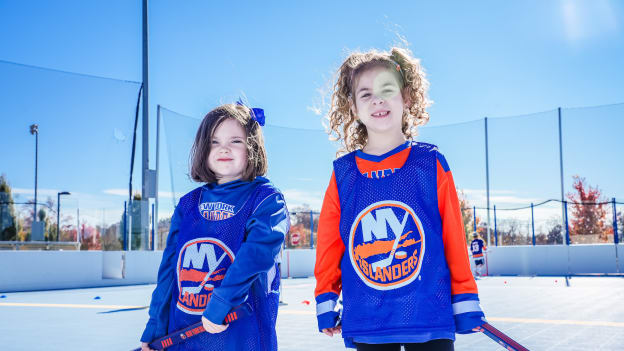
x=58 y=213
x=34 y=130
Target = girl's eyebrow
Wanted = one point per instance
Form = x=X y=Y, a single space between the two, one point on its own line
x=362 y=89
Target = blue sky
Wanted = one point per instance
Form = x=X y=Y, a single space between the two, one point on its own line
x=486 y=58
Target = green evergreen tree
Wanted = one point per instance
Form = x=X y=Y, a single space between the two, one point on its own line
x=8 y=229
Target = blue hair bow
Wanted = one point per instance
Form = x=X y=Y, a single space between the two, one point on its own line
x=257 y=114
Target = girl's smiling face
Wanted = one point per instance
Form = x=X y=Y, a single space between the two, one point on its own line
x=378 y=102
x=228 y=151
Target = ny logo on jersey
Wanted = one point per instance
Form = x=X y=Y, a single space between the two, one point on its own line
x=386 y=245
x=201 y=267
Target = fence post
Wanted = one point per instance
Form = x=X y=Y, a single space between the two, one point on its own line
x=495 y=232
x=533 y=224
x=487 y=180
x=153 y=242
x=2 y=213
x=567 y=230
x=157 y=172
x=565 y=208
x=78 y=225
x=474 y=218
x=125 y=227
x=616 y=239
x=311 y=230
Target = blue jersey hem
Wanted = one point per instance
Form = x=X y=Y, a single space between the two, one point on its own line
x=414 y=338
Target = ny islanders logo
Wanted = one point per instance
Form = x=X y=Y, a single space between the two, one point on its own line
x=201 y=268
x=386 y=245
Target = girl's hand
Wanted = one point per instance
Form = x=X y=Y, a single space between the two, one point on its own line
x=145 y=347
x=213 y=328
x=332 y=331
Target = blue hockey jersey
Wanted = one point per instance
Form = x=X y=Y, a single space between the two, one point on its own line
x=395 y=279
x=476 y=247
x=221 y=252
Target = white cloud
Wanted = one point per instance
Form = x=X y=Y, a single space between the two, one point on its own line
x=169 y=195
x=304 y=179
x=118 y=192
x=298 y=197
x=482 y=191
x=587 y=19
x=545 y=213
x=124 y=192
x=40 y=192
x=503 y=198
x=513 y=200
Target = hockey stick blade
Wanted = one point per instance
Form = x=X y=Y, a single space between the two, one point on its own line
x=500 y=337
x=181 y=335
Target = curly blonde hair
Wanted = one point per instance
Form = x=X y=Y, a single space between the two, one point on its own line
x=343 y=123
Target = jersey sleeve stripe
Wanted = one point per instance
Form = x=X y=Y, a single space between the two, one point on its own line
x=466 y=306
x=324 y=307
x=443 y=162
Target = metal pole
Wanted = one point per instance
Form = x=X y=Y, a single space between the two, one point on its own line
x=153 y=243
x=58 y=215
x=58 y=212
x=615 y=236
x=125 y=227
x=474 y=218
x=567 y=230
x=145 y=121
x=311 y=230
x=533 y=224
x=495 y=232
x=78 y=225
x=36 y=166
x=155 y=225
x=487 y=179
x=616 y=239
x=563 y=207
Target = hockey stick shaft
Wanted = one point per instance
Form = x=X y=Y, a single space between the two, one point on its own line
x=500 y=337
x=194 y=329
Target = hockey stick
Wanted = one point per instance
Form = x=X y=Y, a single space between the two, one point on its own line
x=180 y=335
x=502 y=339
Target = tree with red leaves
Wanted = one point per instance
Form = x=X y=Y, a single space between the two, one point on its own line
x=90 y=238
x=467 y=215
x=588 y=210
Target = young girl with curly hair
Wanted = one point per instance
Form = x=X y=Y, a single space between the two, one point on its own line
x=224 y=241
x=390 y=234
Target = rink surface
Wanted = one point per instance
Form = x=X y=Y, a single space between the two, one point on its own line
x=541 y=313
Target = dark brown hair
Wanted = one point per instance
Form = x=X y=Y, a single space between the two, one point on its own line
x=256 y=153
